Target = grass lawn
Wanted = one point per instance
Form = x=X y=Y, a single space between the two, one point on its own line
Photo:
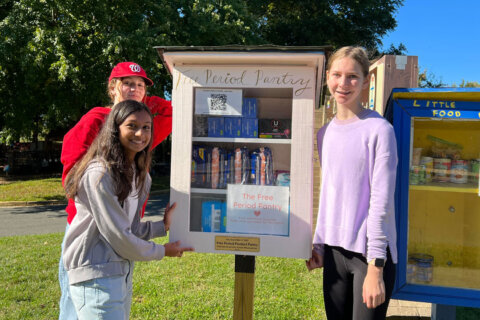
x=47 y=189
x=197 y=286
x=32 y=190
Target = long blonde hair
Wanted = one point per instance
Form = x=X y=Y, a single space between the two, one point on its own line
x=114 y=86
x=358 y=54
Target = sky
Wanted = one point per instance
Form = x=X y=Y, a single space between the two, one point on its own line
x=445 y=35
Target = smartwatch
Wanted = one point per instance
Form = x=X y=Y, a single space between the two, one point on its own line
x=377 y=262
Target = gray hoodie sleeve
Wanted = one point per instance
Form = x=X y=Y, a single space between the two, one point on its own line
x=147 y=230
x=112 y=221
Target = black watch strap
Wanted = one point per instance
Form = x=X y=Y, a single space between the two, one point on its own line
x=377 y=262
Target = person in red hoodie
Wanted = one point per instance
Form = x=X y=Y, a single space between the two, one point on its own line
x=127 y=81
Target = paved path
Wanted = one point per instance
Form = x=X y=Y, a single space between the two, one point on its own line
x=52 y=218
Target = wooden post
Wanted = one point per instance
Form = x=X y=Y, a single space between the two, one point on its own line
x=244 y=287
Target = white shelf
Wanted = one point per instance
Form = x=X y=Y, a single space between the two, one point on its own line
x=446 y=187
x=243 y=140
x=213 y=191
x=210 y=191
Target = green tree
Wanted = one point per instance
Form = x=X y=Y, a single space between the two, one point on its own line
x=55 y=55
x=468 y=84
x=392 y=50
x=328 y=22
x=429 y=80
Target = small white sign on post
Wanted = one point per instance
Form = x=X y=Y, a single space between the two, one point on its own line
x=262 y=210
x=218 y=102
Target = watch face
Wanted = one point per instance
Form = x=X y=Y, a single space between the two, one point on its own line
x=379 y=262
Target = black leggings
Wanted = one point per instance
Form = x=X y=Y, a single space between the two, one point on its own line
x=343 y=275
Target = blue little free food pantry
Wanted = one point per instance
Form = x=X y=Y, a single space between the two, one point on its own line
x=437 y=195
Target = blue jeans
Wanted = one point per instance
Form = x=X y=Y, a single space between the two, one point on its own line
x=67 y=309
x=108 y=298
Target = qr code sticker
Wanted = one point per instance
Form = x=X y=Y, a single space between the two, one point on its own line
x=218 y=102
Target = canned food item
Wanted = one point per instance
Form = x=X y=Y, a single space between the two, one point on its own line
x=416 y=156
x=423 y=175
x=474 y=170
x=441 y=169
x=411 y=270
x=424 y=267
x=415 y=175
x=459 y=172
x=428 y=163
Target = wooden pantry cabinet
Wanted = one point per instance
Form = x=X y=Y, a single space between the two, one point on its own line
x=242 y=147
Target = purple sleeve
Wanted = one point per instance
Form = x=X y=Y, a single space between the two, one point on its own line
x=319 y=247
x=320 y=135
x=382 y=207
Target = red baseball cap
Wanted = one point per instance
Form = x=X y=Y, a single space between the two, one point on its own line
x=129 y=69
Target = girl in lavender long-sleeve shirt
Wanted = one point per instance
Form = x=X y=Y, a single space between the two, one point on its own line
x=355 y=237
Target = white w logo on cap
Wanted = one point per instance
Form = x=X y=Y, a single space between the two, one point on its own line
x=135 y=68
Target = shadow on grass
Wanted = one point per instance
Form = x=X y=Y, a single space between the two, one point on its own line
x=58 y=208
x=14 y=178
x=55 y=198
x=407 y=318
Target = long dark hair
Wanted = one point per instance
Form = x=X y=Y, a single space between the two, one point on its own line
x=107 y=148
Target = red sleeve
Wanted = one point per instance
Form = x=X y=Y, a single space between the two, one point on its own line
x=76 y=143
x=144 y=207
x=80 y=137
x=162 y=118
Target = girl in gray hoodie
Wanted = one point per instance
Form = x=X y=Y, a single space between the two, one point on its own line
x=109 y=186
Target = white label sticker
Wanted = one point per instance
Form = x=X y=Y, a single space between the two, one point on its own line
x=219 y=102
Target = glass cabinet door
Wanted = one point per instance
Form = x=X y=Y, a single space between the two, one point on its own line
x=244 y=152
x=443 y=244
